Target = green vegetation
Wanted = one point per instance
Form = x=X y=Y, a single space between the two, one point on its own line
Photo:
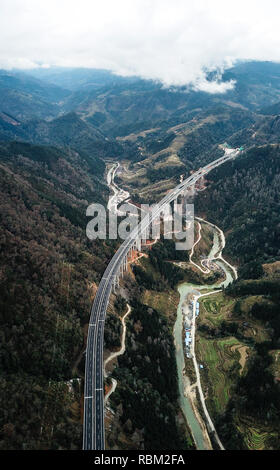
x=145 y=403
x=147 y=383
x=165 y=302
x=238 y=340
x=158 y=272
x=221 y=368
x=54 y=140
x=244 y=200
x=112 y=332
x=48 y=268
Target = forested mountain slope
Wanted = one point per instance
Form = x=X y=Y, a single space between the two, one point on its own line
x=53 y=143
x=25 y=97
x=48 y=276
x=65 y=131
x=243 y=199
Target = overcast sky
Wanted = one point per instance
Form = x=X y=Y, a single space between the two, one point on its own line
x=170 y=40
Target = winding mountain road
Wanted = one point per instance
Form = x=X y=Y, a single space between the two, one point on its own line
x=216 y=256
x=117 y=353
x=93 y=426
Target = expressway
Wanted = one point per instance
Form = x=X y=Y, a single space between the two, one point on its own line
x=93 y=427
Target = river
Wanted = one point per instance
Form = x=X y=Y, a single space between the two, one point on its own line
x=197 y=427
x=119 y=195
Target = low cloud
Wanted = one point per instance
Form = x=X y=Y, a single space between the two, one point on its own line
x=214 y=86
x=174 y=41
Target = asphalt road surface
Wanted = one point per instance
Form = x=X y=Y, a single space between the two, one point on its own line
x=93 y=427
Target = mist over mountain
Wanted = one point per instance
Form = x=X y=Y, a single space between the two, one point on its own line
x=111 y=346
x=61 y=128
x=99 y=97
x=177 y=43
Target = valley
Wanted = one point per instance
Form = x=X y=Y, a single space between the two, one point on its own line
x=71 y=139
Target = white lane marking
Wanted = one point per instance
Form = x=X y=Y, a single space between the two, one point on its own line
x=187 y=182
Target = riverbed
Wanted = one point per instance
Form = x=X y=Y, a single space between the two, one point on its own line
x=192 y=416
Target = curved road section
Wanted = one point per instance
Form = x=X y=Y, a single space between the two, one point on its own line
x=93 y=427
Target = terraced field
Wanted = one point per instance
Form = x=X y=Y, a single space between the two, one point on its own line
x=221 y=360
x=221 y=308
x=255 y=437
x=134 y=178
x=215 y=309
x=225 y=358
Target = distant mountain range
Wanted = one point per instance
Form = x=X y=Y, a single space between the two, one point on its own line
x=83 y=107
x=59 y=128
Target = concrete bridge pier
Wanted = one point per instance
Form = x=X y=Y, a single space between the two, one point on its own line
x=116 y=282
x=126 y=263
x=146 y=235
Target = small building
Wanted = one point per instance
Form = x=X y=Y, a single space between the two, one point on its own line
x=188 y=339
